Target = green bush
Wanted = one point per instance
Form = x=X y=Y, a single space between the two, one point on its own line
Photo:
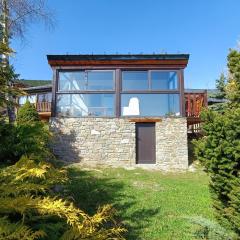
x=33 y=199
x=208 y=229
x=27 y=114
x=28 y=136
x=31 y=208
x=219 y=153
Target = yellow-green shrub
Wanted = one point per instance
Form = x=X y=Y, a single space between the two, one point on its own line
x=29 y=206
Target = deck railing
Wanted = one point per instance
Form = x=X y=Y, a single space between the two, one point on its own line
x=43 y=106
x=194 y=103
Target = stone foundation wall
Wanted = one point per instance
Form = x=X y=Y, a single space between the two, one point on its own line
x=171 y=144
x=111 y=142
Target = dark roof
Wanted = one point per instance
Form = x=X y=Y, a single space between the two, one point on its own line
x=43 y=88
x=216 y=100
x=118 y=57
x=33 y=83
x=187 y=90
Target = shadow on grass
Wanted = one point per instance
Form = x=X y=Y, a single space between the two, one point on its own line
x=90 y=192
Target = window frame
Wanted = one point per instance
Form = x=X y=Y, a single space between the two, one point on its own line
x=67 y=92
x=149 y=90
x=43 y=93
x=87 y=93
x=85 y=71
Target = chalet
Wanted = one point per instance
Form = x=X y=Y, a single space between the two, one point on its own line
x=120 y=110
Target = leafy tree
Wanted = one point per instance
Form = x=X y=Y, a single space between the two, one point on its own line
x=15 y=16
x=219 y=150
x=21 y=13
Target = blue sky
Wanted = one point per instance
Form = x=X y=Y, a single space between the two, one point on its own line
x=205 y=29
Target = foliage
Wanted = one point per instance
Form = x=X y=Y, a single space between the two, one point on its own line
x=20 y=14
x=28 y=136
x=27 y=114
x=208 y=229
x=219 y=150
x=7 y=78
x=35 y=83
x=33 y=203
x=221 y=85
x=219 y=95
x=233 y=85
x=28 y=203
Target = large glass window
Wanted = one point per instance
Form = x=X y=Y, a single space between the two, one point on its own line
x=86 y=80
x=147 y=93
x=135 y=80
x=150 y=105
x=79 y=105
x=164 y=80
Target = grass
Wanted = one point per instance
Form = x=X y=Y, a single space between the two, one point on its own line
x=152 y=205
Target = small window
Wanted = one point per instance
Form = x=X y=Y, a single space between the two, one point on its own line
x=23 y=99
x=135 y=80
x=164 y=80
x=72 y=81
x=85 y=105
x=45 y=97
x=86 y=81
x=100 y=80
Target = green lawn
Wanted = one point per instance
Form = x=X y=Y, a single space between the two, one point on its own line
x=151 y=204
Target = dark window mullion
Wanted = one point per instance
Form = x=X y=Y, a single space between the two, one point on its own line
x=149 y=81
x=118 y=86
x=152 y=91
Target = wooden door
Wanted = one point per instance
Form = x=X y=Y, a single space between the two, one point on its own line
x=145 y=143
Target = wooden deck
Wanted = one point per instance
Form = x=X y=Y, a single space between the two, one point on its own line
x=194 y=103
x=44 y=110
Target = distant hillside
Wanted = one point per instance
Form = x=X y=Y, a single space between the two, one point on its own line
x=35 y=83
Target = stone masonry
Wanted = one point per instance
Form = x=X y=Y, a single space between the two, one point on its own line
x=111 y=142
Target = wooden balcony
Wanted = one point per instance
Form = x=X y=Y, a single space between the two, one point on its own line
x=44 y=110
x=194 y=103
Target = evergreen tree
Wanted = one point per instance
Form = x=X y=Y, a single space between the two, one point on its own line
x=233 y=85
x=219 y=150
x=27 y=114
x=7 y=77
x=221 y=85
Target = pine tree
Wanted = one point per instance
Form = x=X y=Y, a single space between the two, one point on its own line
x=221 y=85
x=27 y=114
x=233 y=85
x=219 y=150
